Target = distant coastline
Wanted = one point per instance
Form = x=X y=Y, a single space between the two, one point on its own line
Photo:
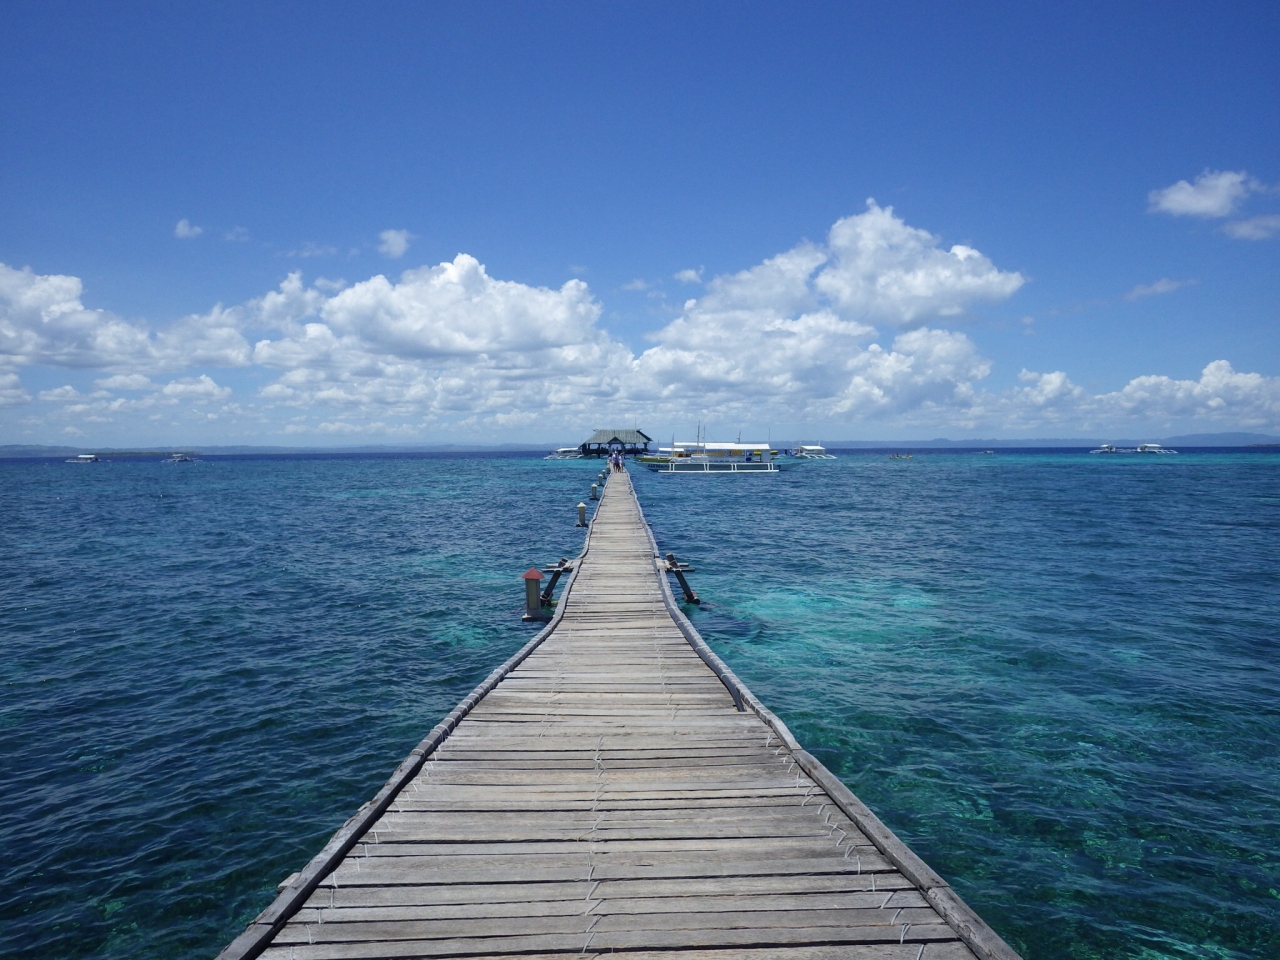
x=1218 y=440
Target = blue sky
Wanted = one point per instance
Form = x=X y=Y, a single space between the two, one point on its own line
x=340 y=223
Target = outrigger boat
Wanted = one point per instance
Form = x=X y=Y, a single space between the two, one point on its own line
x=810 y=452
x=1140 y=448
x=715 y=458
x=564 y=453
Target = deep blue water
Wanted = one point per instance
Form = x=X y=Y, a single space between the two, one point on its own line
x=1055 y=675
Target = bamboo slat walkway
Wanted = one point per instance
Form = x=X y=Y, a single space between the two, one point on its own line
x=614 y=788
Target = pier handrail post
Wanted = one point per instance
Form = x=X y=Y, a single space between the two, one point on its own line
x=680 y=569
x=560 y=568
x=532 y=601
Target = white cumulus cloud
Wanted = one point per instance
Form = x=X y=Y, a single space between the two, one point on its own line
x=313 y=249
x=184 y=229
x=394 y=243
x=12 y=391
x=1045 y=391
x=447 y=341
x=1254 y=228
x=1215 y=193
x=1164 y=285
x=1221 y=394
x=457 y=309
x=201 y=389
x=125 y=381
x=43 y=321
x=60 y=394
x=850 y=332
x=879 y=267
x=796 y=333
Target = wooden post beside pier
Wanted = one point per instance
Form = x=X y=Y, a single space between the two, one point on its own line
x=561 y=568
x=680 y=569
x=532 y=601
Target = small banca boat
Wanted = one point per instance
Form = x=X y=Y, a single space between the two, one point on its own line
x=714 y=458
x=564 y=453
x=810 y=452
x=1153 y=448
x=1106 y=448
x=179 y=458
x=86 y=458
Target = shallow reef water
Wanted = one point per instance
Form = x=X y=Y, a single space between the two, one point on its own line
x=1056 y=676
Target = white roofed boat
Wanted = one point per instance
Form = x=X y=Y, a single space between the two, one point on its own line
x=695 y=457
x=810 y=452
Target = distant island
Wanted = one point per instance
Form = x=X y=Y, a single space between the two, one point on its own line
x=1186 y=440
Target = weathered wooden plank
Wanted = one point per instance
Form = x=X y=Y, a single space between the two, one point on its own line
x=551 y=803
x=336 y=929
x=398 y=832
x=604 y=786
x=577 y=892
x=606 y=848
x=417 y=870
x=949 y=950
x=481 y=946
x=610 y=746
x=581 y=891
x=618 y=766
x=342 y=932
x=740 y=818
x=738 y=777
x=585 y=760
x=795 y=905
x=707 y=852
x=553 y=753
x=602 y=792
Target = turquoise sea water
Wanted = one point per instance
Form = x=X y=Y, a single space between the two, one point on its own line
x=1056 y=676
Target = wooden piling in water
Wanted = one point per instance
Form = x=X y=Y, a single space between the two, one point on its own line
x=614 y=787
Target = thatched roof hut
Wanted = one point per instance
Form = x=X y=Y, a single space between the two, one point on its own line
x=604 y=442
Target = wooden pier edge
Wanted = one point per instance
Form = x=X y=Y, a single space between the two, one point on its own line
x=263 y=929
x=972 y=929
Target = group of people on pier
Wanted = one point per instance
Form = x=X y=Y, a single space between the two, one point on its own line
x=615 y=462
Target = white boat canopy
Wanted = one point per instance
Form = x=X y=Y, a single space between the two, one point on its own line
x=721 y=447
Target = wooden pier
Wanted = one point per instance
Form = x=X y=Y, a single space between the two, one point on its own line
x=613 y=788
